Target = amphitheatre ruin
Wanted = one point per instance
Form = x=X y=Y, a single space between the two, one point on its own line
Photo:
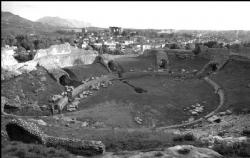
x=96 y=104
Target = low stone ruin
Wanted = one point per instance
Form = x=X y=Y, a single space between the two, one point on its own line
x=28 y=132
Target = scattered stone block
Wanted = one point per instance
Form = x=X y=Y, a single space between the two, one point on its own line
x=138 y=120
x=85 y=124
x=190 y=119
x=214 y=118
x=222 y=113
x=194 y=113
x=229 y=112
x=40 y=122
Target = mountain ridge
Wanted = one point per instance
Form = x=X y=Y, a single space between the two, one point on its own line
x=15 y=24
x=62 y=22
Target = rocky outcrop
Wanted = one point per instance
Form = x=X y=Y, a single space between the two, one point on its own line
x=54 y=50
x=57 y=56
x=4 y=135
x=28 y=132
x=7 y=58
x=52 y=59
x=179 y=151
x=229 y=145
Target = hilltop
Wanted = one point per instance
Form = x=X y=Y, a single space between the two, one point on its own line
x=14 y=24
x=61 y=22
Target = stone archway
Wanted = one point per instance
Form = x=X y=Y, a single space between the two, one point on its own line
x=162 y=61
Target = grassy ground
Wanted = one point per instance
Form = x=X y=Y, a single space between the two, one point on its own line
x=234 y=78
x=162 y=105
x=22 y=150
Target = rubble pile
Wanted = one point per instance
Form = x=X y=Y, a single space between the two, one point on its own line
x=73 y=106
x=138 y=120
x=195 y=109
x=73 y=101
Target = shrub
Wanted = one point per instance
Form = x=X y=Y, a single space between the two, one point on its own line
x=22 y=150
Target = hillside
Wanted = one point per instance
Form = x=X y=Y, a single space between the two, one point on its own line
x=60 y=22
x=14 y=24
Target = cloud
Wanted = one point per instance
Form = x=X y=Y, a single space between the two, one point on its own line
x=176 y=15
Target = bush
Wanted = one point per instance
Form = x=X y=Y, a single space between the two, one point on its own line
x=22 y=55
x=212 y=44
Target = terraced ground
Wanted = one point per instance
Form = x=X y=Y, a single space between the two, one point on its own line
x=111 y=112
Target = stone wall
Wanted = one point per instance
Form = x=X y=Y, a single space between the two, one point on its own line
x=29 y=132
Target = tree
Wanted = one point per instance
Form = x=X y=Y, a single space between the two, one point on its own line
x=25 y=42
x=197 y=49
x=124 y=33
x=211 y=44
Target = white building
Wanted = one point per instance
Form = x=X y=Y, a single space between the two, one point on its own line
x=146 y=46
x=128 y=42
x=111 y=44
x=84 y=45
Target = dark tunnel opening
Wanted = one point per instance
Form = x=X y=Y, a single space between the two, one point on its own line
x=66 y=81
x=71 y=74
x=17 y=133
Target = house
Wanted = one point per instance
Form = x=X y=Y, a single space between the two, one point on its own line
x=84 y=45
x=128 y=42
x=84 y=30
x=146 y=46
x=110 y=44
x=98 y=45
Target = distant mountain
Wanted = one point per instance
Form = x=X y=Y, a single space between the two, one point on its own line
x=14 y=24
x=66 y=23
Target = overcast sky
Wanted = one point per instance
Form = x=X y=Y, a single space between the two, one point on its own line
x=158 y=15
